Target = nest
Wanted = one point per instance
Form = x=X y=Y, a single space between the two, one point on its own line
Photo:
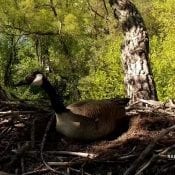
x=30 y=145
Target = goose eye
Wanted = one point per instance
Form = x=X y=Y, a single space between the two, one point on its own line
x=30 y=79
x=37 y=80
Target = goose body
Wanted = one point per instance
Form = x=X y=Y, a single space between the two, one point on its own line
x=90 y=119
x=86 y=120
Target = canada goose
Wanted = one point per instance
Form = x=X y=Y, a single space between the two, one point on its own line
x=86 y=120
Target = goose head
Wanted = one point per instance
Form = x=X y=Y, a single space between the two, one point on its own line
x=39 y=79
x=36 y=78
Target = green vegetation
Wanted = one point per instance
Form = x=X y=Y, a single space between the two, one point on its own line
x=79 y=43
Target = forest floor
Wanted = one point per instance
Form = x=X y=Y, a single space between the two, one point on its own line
x=30 y=145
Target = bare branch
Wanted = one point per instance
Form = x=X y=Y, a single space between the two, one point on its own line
x=152 y=102
x=53 y=8
x=94 y=11
x=19 y=153
x=42 y=146
x=104 y=3
x=80 y=154
x=7 y=113
x=36 y=172
x=28 y=32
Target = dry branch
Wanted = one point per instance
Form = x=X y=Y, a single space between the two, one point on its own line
x=80 y=154
x=42 y=147
x=10 y=112
x=147 y=151
x=65 y=157
x=152 y=102
x=36 y=172
x=19 y=153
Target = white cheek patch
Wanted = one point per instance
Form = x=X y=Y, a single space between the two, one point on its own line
x=38 y=81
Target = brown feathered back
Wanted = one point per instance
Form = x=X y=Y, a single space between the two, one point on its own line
x=91 y=119
x=99 y=108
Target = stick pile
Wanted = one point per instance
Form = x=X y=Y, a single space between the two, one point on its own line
x=30 y=145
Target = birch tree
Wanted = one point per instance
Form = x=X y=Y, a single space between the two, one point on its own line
x=135 y=51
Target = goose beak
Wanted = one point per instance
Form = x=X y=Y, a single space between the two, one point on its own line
x=21 y=83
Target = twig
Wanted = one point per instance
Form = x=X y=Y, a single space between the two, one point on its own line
x=22 y=159
x=152 y=102
x=167 y=168
x=36 y=172
x=153 y=158
x=80 y=154
x=24 y=104
x=6 y=149
x=73 y=161
x=6 y=122
x=167 y=112
x=6 y=113
x=22 y=165
x=78 y=171
x=33 y=134
x=104 y=3
x=147 y=150
x=19 y=153
x=5 y=131
x=42 y=146
x=146 y=165
x=60 y=163
x=53 y=8
x=144 y=110
x=171 y=104
x=132 y=106
x=94 y=11
x=160 y=104
x=167 y=149
x=127 y=157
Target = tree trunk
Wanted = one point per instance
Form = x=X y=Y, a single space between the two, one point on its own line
x=11 y=56
x=42 y=52
x=135 y=51
x=3 y=94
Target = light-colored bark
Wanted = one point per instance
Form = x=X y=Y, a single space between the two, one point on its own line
x=135 y=51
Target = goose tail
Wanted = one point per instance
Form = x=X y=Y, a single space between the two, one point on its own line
x=121 y=101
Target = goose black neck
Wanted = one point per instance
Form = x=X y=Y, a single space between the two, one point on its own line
x=55 y=98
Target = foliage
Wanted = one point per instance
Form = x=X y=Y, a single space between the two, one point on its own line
x=80 y=44
x=105 y=79
x=163 y=49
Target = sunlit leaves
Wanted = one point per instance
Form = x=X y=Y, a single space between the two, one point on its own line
x=163 y=48
x=105 y=79
x=86 y=47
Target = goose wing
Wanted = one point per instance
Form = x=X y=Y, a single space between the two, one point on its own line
x=98 y=108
